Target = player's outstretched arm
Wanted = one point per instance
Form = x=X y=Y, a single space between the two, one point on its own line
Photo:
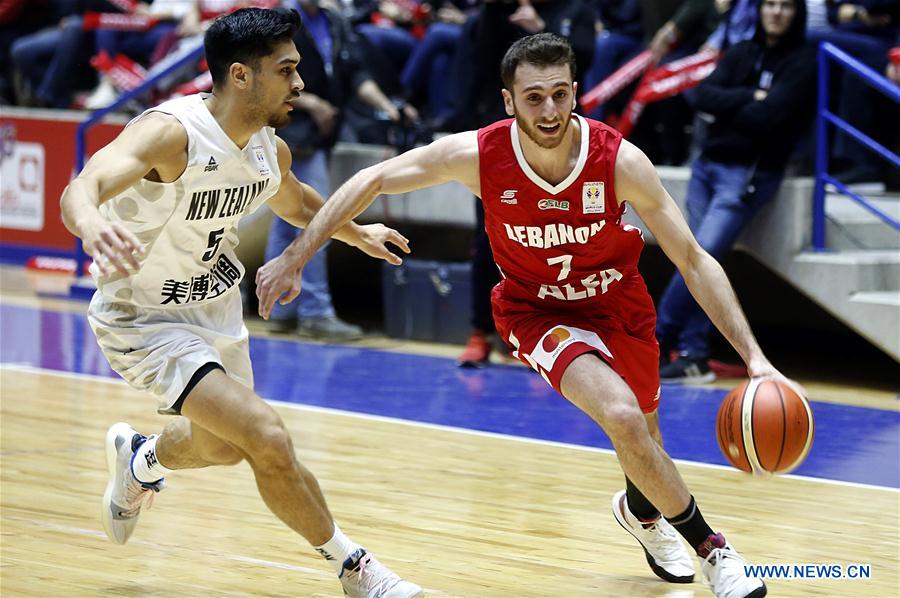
x=156 y=142
x=638 y=183
x=452 y=158
x=297 y=203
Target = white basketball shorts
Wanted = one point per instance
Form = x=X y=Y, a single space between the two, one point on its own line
x=160 y=350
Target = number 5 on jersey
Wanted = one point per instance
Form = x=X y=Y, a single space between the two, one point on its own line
x=215 y=237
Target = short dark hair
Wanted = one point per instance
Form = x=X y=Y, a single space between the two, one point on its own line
x=245 y=36
x=542 y=49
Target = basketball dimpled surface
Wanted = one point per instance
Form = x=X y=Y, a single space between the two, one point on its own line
x=781 y=424
x=728 y=429
x=800 y=429
x=769 y=426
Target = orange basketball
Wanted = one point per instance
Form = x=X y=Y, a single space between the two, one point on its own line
x=765 y=427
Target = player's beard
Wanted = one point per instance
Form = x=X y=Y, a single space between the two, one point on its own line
x=257 y=113
x=539 y=138
x=279 y=118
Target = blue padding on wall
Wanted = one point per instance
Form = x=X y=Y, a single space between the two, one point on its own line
x=11 y=253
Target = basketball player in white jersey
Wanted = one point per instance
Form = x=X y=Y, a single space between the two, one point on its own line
x=158 y=210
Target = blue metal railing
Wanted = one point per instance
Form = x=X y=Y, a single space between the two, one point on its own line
x=170 y=67
x=829 y=53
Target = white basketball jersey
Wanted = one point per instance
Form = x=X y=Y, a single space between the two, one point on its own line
x=189 y=226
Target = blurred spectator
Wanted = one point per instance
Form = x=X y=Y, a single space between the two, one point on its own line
x=138 y=46
x=892 y=71
x=333 y=71
x=47 y=63
x=427 y=77
x=619 y=38
x=203 y=12
x=673 y=29
x=677 y=28
x=762 y=97
x=737 y=23
x=16 y=22
x=816 y=18
x=395 y=28
x=865 y=29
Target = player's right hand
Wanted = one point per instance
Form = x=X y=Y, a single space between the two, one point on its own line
x=374 y=239
x=767 y=371
x=111 y=245
x=279 y=278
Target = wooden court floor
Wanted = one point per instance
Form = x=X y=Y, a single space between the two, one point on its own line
x=462 y=514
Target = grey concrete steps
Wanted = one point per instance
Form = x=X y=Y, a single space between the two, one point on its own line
x=851 y=226
x=859 y=270
x=876 y=315
x=891 y=297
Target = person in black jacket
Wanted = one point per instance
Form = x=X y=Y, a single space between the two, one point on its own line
x=760 y=98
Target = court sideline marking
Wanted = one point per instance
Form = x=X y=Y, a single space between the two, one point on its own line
x=247 y=560
x=26 y=368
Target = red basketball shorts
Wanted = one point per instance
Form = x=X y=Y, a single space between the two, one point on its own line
x=548 y=342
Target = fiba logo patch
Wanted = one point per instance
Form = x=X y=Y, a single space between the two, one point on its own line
x=261 y=164
x=593 y=198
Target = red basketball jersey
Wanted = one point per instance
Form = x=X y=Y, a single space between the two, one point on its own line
x=563 y=247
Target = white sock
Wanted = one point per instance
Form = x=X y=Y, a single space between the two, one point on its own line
x=145 y=466
x=337 y=549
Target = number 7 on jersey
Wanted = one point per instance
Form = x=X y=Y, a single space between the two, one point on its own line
x=588 y=286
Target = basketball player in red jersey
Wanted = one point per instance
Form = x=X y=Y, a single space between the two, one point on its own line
x=571 y=303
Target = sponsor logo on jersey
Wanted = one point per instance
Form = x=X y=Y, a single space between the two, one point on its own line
x=593 y=198
x=576 y=290
x=223 y=275
x=509 y=197
x=558 y=338
x=212 y=165
x=553 y=204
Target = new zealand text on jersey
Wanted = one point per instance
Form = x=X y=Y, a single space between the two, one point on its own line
x=223 y=203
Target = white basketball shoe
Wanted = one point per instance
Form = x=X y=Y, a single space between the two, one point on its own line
x=364 y=577
x=666 y=553
x=725 y=573
x=124 y=496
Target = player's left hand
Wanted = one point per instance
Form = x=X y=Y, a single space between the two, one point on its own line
x=767 y=371
x=278 y=279
x=373 y=240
